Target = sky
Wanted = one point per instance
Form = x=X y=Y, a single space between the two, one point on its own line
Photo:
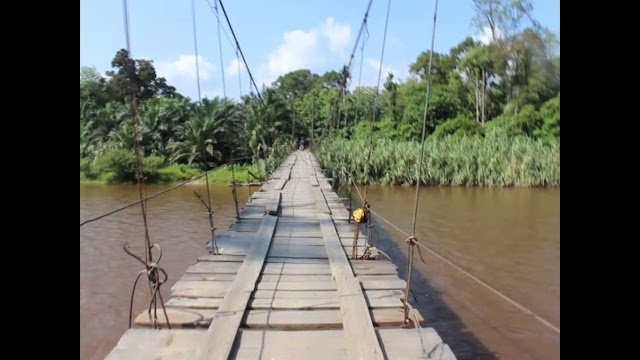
x=276 y=37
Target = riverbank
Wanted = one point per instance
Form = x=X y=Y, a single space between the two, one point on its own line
x=179 y=173
x=492 y=160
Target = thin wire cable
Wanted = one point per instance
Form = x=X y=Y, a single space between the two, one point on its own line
x=336 y=109
x=223 y=30
x=241 y=53
x=375 y=105
x=151 y=197
x=473 y=277
x=364 y=41
x=125 y=9
x=424 y=123
x=130 y=69
x=224 y=85
x=195 y=44
x=239 y=74
x=151 y=268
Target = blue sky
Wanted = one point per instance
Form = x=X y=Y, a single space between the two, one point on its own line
x=276 y=37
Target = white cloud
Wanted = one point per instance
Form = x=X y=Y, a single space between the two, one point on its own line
x=233 y=67
x=181 y=73
x=298 y=50
x=485 y=36
x=185 y=69
x=307 y=49
x=339 y=35
x=370 y=78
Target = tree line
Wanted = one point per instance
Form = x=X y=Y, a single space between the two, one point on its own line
x=505 y=90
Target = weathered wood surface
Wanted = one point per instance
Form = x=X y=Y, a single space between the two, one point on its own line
x=226 y=321
x=286 y=293
x=355 y=315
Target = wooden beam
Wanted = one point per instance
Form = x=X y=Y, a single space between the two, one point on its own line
x=356 y=319
x=226 y=322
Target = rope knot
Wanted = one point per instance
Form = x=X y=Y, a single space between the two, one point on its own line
x=412 y=240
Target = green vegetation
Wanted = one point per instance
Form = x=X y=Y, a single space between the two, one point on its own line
x=493 y=117
x=494 y=160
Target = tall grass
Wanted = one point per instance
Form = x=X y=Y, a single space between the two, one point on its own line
x=493 y=160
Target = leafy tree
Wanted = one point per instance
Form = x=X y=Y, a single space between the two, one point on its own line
x=550 y=113
x=135 y=75
x=197 y=137
x=500 y=16
x=459 y=126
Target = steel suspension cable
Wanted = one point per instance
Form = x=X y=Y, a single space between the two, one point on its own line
x=130 y=70
x=241 y=53
x=347 y=69
x=239 y=74
x=375 y=105
x=364 y=41
x=152 y=269
x=195 y=44
x=412 y=240
x=213 y=10
x=224 y=85
x=202 y=112
x=424 y=123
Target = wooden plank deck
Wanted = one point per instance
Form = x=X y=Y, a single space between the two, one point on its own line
x=285 y=287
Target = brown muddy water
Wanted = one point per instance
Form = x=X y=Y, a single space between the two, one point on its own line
x=510 y=238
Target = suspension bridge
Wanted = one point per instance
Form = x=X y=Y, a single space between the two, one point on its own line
x=284 y=285
x=292 y=277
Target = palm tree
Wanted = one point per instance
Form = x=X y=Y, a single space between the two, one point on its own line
x=197 y=136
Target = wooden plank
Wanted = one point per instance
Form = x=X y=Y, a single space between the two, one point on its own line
x=368 y=263
x=245 y=226
x=286 y=240
x=297 y=285
x=396 y=284
x=273 y=294
x=234 y=243
x=222 y=258
x=225 y=324
x=273 y=204
x=284 y=178
x=215 y=289
x=321 y=203
x=280 y=344
x=296 y=269
x=313 y=180
x=375 y=271
x=297 y=251
x=356 y=319
x=390 y=317
x=377 y=277
x=288 y=278
x=270 y=299
x=152 y=344
x=275 y=259
x=384 y=298
x=208 y=277
x=194 y=303
x=214 y=267
x=294 y=319
x=405 y=344
x=295 y=304
x=178 y=317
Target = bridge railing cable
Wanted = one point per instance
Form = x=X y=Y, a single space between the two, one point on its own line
x=224 y=11
x=155 y=195
x=463 y=271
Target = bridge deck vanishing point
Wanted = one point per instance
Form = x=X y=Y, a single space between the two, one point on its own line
x=284 y=287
